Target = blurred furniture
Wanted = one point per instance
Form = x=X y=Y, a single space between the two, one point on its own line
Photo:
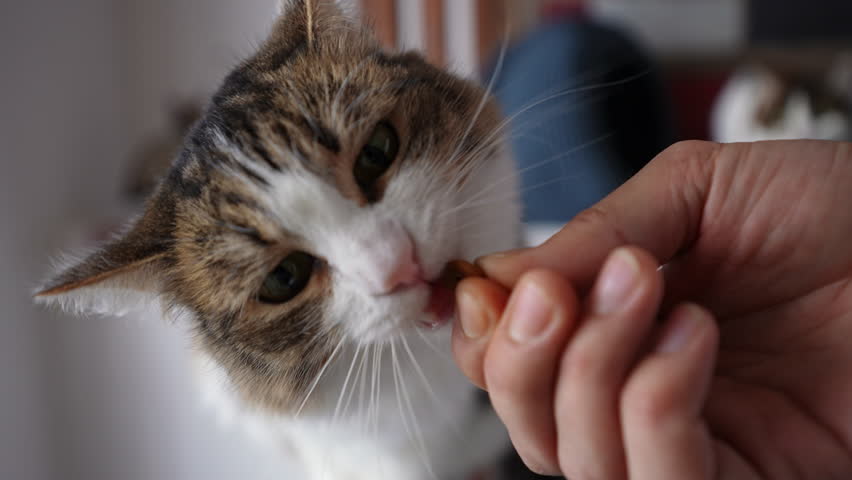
x=443 y=23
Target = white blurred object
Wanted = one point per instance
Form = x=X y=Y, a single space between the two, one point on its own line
x=756 y=104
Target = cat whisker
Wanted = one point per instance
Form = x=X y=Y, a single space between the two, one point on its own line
x=487 y=221
x=526 y=189
x=417 y=369
x=335 y=416
x=360 y=378
x=319 y=377
x=495 y=140
x=429 y=344
x=508 y=120
x=355 y=384
x=472 y=201
x=379 y=350
x=426 y=384
x=486 y=95
x=418 y=433
x=396 y=386
x=372 y=389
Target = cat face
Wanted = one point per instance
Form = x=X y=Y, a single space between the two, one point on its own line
x=320 y=195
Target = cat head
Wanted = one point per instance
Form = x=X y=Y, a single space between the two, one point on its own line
x=324 y=188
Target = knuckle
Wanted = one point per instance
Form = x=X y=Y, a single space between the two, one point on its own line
x=503 y=377
x=594 y=215
x=689 y=149
x=598 y=216
x=690 y=161
x=649 y=403
x=582 y=364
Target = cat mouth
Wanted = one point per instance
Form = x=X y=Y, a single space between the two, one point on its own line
x=442 y=297
x=440 y=308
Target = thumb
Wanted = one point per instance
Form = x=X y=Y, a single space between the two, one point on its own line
x=659 y=209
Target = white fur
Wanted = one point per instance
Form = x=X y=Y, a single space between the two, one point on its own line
x=451 y=435
x=734 y=114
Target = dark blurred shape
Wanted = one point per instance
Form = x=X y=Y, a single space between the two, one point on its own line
x=693 y=89
x=788 y=22
x=513 y=468
x=156 y=153
x=591 y=111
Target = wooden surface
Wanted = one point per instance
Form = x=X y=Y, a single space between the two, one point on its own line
x=381 y=14
x=492 y=18
x=490 y=25
x=435 y=31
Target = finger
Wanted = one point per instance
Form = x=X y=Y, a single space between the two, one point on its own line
x=480 y=303
x=664 y=434
x=620 y=314
x=521 y=363
x=659 y=210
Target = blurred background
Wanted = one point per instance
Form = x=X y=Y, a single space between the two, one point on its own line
x=96 y=94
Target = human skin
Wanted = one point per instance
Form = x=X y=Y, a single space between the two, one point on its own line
x=733 y=361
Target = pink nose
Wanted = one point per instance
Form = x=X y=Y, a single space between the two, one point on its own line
x=394 y=265
x=405 y=273
x=384 y=262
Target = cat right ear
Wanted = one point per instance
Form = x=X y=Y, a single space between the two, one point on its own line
x=123 y=276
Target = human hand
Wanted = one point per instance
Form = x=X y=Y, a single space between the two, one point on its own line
x=760 y=235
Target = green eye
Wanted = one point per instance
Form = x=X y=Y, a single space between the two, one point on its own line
x=288 y=279
x=376 y=156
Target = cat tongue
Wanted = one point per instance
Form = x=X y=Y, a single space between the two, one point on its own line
x=442 y=306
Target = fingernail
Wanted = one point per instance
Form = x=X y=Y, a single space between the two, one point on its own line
x=474 y=321
x=617 y=282
x=530 y=314
x=685 y=324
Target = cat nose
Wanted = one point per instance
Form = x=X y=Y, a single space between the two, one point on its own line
x=395 y=269
x=387 y=262
x=405 y=273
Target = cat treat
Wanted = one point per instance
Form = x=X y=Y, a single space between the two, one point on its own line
x=457 y=270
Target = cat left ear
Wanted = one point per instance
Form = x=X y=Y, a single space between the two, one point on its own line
x=122 y=276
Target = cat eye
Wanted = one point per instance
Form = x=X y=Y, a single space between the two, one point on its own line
x=376 y=156
x=288 y=279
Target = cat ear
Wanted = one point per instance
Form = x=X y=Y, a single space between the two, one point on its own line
x=124 y=275
x=313 y=6
x=304 y=21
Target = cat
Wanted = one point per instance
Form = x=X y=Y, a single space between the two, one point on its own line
x=774 y=101
x=300 y=232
